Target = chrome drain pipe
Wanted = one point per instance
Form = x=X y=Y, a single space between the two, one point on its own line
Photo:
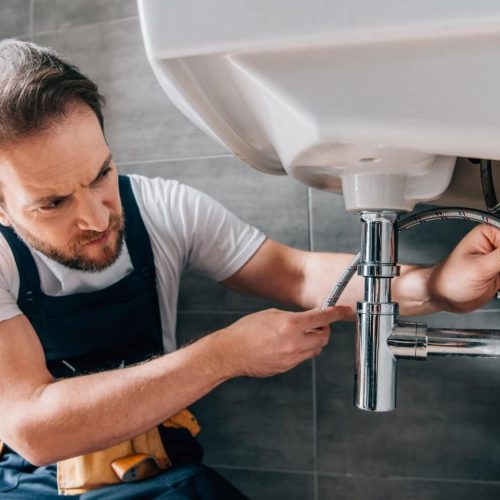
x=375 y=365
x=415 y=341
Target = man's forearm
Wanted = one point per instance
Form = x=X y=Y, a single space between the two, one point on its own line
x=413 y=292
x=88 y=413
x=322 y=270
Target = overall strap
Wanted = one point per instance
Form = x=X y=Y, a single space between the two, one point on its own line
x=136 y=235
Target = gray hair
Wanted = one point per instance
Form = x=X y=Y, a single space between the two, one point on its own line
x=36 y=85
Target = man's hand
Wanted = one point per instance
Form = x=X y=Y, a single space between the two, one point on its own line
x=469 y=277
x=273 y=341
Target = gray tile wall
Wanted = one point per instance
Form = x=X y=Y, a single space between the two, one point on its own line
x=295 y=435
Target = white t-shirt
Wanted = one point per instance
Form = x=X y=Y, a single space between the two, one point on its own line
x=187 y=230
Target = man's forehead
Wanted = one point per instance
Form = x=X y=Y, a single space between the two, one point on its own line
x=72 y=151
x=51 y=176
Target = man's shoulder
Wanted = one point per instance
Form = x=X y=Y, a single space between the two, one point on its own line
x=159 y=191
x=160 y=201
x=140 y=182
x=153 y=191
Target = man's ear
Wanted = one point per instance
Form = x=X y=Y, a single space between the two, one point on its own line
x=4 y=217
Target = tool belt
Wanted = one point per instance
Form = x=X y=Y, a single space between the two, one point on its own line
x=138 y=458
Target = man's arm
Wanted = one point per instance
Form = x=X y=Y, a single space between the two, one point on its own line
x=46 y=420
x=305 y=279
x=410 y=289
x=464 y=281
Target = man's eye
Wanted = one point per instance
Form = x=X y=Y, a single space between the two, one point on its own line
x=51 y=206
x=104 y=173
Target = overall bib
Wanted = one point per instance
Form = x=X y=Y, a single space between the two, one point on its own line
x=107 y=329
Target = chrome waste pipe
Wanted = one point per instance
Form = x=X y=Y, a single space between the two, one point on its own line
x=415 y=341
x=375 y=365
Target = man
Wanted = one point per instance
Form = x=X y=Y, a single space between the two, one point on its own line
x=89 y=272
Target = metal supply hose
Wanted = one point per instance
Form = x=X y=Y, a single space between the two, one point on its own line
x=408 y=222
x=490 y=197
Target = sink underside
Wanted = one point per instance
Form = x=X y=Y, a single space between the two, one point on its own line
x=375 y=100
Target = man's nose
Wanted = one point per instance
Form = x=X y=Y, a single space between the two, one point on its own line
x=93 y=215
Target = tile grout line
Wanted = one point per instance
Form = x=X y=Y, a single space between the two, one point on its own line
x=411 y=478
x=310 y=219
x=356 y=476
x=73 y=27
x=261 y=469
x=313 y=367
x=32 y=19
x=315 y=431
x=169 y=160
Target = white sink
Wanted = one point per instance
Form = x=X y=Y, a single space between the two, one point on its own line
x=374 y=99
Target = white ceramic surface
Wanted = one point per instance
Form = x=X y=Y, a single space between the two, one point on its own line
x=374 y=99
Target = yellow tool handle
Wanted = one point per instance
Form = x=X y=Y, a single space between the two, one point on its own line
x=135 y=467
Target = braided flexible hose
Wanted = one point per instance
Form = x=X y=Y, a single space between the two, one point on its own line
x=406 y=223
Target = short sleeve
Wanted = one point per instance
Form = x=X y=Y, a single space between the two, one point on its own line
x=9 y=282
x=217 y=242
x=194 y=229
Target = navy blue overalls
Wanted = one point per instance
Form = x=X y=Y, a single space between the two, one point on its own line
x=87 y=332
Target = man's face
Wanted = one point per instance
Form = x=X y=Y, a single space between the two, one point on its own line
x=60 y=192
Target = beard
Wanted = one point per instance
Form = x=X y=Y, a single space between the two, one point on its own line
x=73 y=257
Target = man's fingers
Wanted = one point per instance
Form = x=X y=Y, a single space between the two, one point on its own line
x=315 y=318
x=318 y=329
x=316 y=339
x=483 y=239
x=314 y=329
x=488 y=266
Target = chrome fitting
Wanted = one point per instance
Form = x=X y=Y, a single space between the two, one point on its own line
x=408 y=340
